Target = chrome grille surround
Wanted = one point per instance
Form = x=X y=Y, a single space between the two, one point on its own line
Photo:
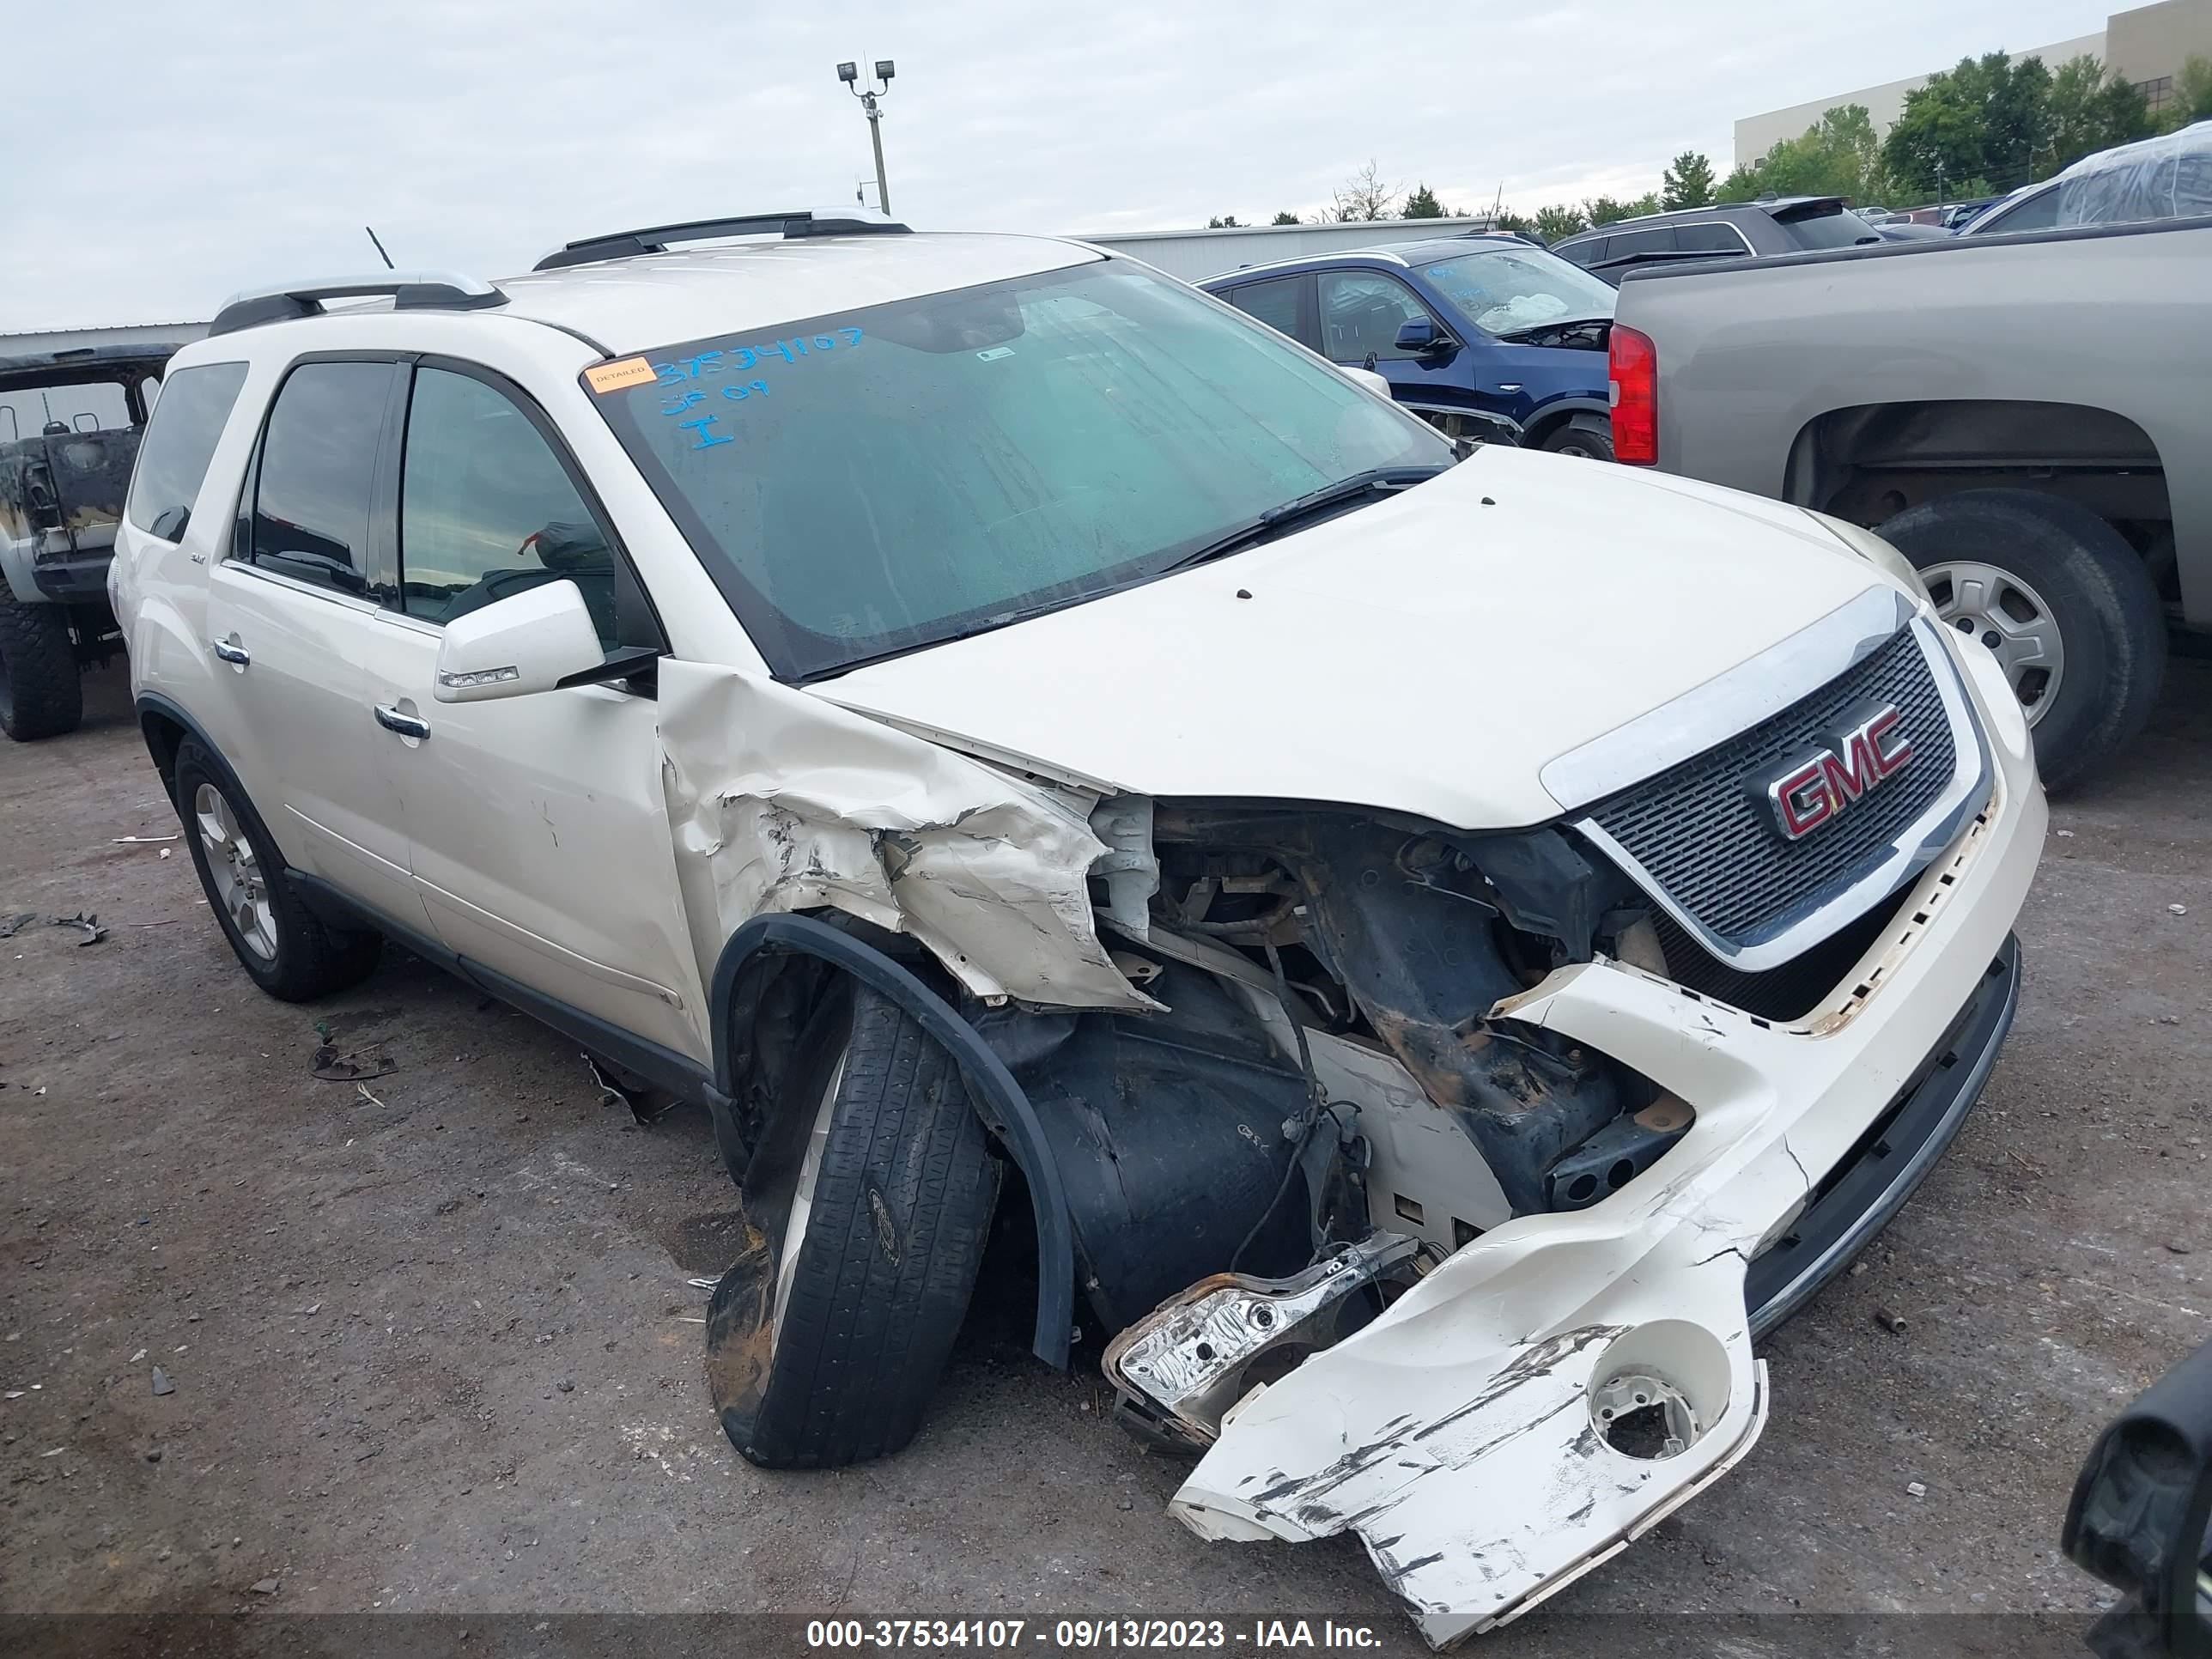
x=1657 y=754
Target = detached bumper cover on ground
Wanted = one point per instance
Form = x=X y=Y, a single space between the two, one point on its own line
x=1466 y=1435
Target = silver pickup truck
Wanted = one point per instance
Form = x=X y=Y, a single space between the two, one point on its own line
x=2028 y=418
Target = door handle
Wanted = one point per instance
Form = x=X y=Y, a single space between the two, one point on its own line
x=406 y=724
x=225 y=650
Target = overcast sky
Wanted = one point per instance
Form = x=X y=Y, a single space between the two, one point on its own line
x=245 y=142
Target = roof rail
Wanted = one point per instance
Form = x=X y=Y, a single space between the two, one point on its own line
x=655 y=239
x=409 y=290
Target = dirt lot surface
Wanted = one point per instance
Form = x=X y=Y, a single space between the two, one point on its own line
x=431 y=1345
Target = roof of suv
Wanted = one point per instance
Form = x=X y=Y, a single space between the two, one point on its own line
x=1780 y=207
x=636 y=303
x=1412 y=254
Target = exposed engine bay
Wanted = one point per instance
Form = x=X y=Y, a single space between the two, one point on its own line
x=1312 y=964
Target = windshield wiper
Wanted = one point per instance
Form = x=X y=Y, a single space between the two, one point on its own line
x=1345 y=492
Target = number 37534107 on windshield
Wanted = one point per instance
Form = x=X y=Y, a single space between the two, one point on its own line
x=732 y=361
x=743 y=360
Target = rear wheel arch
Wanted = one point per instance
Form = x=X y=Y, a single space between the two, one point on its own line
x=1868 y=463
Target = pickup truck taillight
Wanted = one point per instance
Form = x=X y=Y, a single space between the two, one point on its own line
x=1632 y=365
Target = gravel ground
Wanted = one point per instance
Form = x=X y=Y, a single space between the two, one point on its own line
x=431 y=1348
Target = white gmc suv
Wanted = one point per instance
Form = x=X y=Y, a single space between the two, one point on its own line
x=1455 y=944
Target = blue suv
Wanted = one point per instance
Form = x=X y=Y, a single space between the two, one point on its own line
x=1489 y=337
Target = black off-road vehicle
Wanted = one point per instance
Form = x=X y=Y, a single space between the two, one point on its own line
x=70 y=423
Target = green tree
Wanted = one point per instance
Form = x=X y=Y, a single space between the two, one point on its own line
x=1988 y=118
x=1838 y=157
x=2192 y=95
x=1421 y=202
x=1507 y=219
x=1222 y=221
x=1605 y=210
x=1286 y=218
x=1560 y=220
x=2090 y=111
x=1740 y=186
x=1688 y=182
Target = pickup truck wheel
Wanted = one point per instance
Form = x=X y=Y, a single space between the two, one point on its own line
x=1587 y=435
x=291 y=953
x=40 y=696
x=2062 y=601
x=825 y=1351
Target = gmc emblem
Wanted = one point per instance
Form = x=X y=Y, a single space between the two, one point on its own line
x=1815 y=788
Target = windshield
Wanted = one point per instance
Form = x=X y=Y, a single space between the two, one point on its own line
x=866 y=481
x=1505 y=289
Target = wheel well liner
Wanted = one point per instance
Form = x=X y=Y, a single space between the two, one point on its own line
x=1869 y=461
x=1554 y=414
x=997 y=1099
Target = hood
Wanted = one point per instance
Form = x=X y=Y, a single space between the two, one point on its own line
x=1427 y=654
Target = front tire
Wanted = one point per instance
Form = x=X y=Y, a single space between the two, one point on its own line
x=41 y=694
x=1589 y=437
x=2064 y=603
x=826 y=1340
x=290 y=951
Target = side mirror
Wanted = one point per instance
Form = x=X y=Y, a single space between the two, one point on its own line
x=1369 y=379
x=1421 y=336
x=2142 y=1518
x=535 y=641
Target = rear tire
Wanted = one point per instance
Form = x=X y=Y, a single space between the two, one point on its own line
x=824 y=1350
x=290 y=952
x=40 y=695
x=2048 y=564
x=1589 y=437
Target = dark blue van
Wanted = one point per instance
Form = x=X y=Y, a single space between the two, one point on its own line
x=1489 y=337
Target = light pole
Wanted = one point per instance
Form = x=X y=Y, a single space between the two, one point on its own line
x=850 y=75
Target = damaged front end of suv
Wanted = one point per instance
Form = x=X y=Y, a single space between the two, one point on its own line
x=1434 y=1182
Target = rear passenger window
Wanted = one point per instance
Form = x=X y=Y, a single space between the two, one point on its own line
x=1710 y=239
x=1636 y=245
x=174 y=457
x=1585 y=253
x=317 y=473
x=487 y=511
x=1274 y=302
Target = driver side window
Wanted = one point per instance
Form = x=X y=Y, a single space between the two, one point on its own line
x=487 y=511
x=1361 y=312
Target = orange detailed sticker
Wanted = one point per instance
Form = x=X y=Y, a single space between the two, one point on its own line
x=616 y=377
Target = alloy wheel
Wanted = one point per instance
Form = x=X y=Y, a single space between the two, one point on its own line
x=241 y=884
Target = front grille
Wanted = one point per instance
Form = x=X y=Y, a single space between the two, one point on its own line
x=1701 y=833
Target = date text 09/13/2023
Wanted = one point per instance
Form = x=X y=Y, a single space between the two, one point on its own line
x=1013 y=1635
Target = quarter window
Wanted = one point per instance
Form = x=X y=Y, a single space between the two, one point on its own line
x=1274 y=302
x=174 y=457
x=1361 y=312
x=487 y=511
x=317 y=473
x=1713 y=237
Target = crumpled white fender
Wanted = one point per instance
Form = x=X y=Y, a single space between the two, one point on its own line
x=778 y=800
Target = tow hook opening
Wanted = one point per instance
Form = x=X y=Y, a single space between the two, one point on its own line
x=1658 y=1388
